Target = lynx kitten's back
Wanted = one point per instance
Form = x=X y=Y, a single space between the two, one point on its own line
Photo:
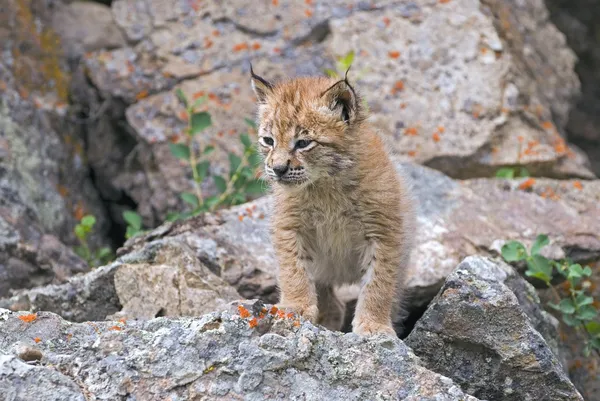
x=342 y=213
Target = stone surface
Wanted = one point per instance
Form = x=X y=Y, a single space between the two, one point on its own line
x=476 y=332
x=461 y=86
x=44 y=180
x=163 y=278
x=35 y=383
x=578 y=20
x=218 y=356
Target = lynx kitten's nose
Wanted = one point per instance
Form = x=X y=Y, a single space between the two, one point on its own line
x=280 y=169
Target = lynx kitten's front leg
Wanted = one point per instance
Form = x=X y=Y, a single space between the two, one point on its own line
x=298 y=291
x=378 y=292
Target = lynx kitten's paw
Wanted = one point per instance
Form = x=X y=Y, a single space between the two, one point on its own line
x=308 y=312
x=369 y=328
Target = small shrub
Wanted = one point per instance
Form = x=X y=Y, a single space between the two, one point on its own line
x=577 y=310
x=94 y=258
x=134 y=223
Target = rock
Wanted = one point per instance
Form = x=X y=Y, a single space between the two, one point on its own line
x=476 y=64
x=44 y=180
x=172 y=282
x=163 y=278
x=476 y=332
x=20 y=381
x=218 y=356
x=578 y=21
x=85 y=26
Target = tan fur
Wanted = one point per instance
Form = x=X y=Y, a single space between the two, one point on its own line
x=342 y=214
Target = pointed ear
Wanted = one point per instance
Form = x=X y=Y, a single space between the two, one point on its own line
x=261 y=86
x=341 y=99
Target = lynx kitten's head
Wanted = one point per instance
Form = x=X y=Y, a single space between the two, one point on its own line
x=307 y=128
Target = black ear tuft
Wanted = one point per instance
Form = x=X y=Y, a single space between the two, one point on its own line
x=261 y=86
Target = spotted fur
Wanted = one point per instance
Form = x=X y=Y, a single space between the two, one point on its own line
x=342 y=213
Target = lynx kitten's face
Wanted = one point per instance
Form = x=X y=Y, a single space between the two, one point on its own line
x=306 y=128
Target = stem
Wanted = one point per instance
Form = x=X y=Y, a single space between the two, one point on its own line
x=193 y=162
x=230 y=184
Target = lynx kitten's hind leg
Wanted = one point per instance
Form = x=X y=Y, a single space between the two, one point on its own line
x=331 y=309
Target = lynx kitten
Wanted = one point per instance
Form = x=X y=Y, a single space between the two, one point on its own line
x=342 y=213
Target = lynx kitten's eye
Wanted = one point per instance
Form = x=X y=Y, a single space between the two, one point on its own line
x=267 y=141
x=301 y=144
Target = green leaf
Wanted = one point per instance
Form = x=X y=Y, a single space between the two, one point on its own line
x=190 y=198
x=80 y=232
x=256 y=187
x=88 y=221
x=180 y=151
x=254 y=159
x=566 y=306
x=211 y=201
x=208 y=149
x=523 y=172
x=331 y=73
x=593 y=328
x=220 y=183
x=200 y=122
x=104 y=254
x=540 y=242
x=513 y=251
x=181 y=96
x=595 y=343
x=575 y=271
x=570 y=320
x=250 y=123
x=347 y=60
x=246 y=140
x=582 y=300
x=247 y=172
x=133 y=219
x=202 y=169
x=173 y=216
x=541 y=275
x=238 y=198
x=234 y=163
x=587 y=271
x=81 y=252
x=505 y=172
x=587 y=312
x=131 y=232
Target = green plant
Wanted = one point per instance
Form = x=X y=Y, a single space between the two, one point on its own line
x=512 y=172
x=232 y=190
x=134 y=223
x=577 y=309
x=94 y=258
x=343 y=63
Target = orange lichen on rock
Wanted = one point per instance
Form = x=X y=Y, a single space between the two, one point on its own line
x=244 y=313
x=141 y=95
x=280 y=314
x=37 y=340
x=528 y=183
x=386 y=21
x=296 y=323
x=253 y=322
x=394 y=54
x=398 y=86
x=273 y=310
x=28 y=318
x=308 y=13
x=240 y=47
x=290 y=315
x=436 y=137
x=548 y=125
x=411 y=131
x=115 y=328
x=256 y=46
x=577 y=184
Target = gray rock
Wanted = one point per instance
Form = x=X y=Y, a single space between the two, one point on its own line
x=218 y=356
x=476 y=332
x=164 y=278
x=20 y=382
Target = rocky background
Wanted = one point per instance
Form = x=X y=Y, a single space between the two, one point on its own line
x=459 y=89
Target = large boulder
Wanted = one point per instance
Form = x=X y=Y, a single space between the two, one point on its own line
x=163 y=278
x=248 y=354
x=453 y=85
x=44 y=179
x=477 y=332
